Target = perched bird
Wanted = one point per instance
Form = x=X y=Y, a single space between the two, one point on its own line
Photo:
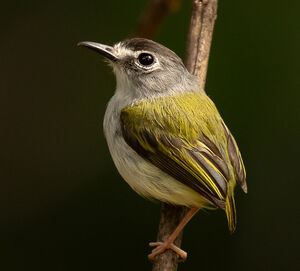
x=166 y=137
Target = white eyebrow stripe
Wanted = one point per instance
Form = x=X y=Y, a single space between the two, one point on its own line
x=120 y=51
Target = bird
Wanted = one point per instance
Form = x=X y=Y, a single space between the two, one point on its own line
x=166 y=136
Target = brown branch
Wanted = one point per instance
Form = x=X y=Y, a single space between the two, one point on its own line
x=204 y=14
x=153 y=16
x=197 y=54
x=169 y=218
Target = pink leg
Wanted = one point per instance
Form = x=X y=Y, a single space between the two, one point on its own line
x=168 y=244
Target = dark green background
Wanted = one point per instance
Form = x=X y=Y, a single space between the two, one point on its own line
x=63 y=205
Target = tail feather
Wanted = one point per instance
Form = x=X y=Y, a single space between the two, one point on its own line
x=231 y=212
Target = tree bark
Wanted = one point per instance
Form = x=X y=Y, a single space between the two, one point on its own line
x=204 y=14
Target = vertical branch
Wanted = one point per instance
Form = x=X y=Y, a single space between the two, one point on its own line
x=204 y=14
x=169 y=219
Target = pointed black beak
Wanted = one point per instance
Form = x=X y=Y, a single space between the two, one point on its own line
x=104 y=50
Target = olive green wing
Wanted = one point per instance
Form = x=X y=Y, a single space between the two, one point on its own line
x=184 y=137
x=194 y=167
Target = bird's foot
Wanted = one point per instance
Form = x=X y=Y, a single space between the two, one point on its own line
x=162 y=246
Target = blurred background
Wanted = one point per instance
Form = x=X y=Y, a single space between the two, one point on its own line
x=63 y=204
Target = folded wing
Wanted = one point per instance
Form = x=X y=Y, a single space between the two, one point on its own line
x=185 y=137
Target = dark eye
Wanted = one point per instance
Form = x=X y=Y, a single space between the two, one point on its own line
x=146 y=59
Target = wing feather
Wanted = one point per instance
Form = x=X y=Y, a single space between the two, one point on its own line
x=175 y=166
x=236 y=159
x=185 y=137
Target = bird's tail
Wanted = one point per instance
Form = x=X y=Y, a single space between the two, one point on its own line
x=231 y=211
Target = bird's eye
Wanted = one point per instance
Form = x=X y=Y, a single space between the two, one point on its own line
x=146 y=59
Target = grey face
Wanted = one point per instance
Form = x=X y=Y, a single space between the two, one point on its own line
x=146 y=66
x=145 y=56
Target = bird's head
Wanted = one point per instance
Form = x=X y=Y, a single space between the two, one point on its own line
x=146 y=68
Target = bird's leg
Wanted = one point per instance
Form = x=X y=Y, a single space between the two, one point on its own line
x=168 y=244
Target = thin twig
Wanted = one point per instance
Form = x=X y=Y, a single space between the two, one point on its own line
x=153 y=16
x=198 y=47
x=204 y=14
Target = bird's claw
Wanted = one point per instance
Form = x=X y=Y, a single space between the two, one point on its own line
x=162 y=246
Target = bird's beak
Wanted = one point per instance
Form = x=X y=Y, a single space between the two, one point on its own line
x=104 y=50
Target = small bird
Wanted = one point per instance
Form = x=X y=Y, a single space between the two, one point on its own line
x=166 y=136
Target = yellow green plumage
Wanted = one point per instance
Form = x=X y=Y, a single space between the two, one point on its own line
x=185 y=136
